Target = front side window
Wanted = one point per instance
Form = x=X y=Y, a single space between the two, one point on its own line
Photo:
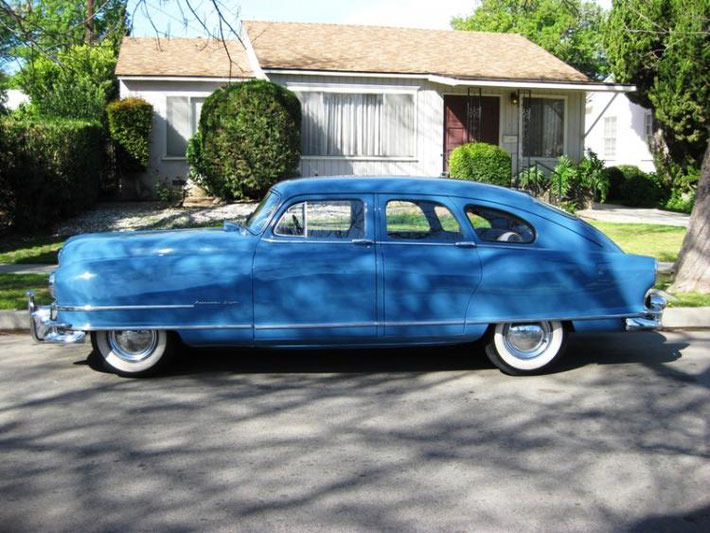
x=182 y=116
x=323 y=219
x=544 y=127
x=256 y=221
x=492 y=225
x=421 y=220
x=347 y=124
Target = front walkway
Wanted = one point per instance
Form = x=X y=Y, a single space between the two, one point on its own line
x=634 y=215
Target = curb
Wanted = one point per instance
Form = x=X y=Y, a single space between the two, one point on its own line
x=14 y=320
x=673 y=318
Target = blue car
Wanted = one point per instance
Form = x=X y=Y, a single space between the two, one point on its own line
x=333 y=262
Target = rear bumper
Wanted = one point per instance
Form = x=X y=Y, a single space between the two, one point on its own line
x=45 y=328
x=653 y=315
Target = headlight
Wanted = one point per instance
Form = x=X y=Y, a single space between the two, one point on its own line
x=51 y=285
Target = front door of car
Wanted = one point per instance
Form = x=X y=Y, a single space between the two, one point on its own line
x=315 y=272
x=430 y=266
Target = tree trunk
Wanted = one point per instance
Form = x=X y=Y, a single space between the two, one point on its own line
x=89 y=23
x=693 y=264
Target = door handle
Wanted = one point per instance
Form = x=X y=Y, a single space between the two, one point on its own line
x=465 y=244
x=363 y=242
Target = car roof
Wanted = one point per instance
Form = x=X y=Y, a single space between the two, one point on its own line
x=401 y=185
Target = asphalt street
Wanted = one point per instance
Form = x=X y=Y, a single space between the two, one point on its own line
x=373 y=440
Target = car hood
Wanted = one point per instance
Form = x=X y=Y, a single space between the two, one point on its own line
x=94 y=247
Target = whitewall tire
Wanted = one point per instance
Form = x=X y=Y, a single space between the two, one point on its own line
x=529 y=348
x=133 y=353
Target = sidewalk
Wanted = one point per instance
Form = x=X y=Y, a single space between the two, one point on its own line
x=26 y=269
x=634 y=215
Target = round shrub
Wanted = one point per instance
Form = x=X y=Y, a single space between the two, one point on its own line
x=641 y=189
x=483 y=162
x=249 y=137
x=129 y=123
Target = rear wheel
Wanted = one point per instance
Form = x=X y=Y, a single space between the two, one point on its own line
x=133 y=353
x=526 y=348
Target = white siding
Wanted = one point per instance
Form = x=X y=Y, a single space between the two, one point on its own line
x=631 y=145
x=429 y=124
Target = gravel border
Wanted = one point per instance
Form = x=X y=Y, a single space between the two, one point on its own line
x=125 y=216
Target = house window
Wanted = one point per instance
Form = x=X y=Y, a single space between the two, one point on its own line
x=648 y=127
x=352 y=125
x=544 y=128
x=609 y=136
x=182 y=117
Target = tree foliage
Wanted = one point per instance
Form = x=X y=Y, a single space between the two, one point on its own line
x=663 y=47
x=249 y=138
x=78 y=85
x=47 y=27
x=569 y=29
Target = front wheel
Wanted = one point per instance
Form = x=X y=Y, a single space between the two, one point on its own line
x=526 y=348
x=133 y=353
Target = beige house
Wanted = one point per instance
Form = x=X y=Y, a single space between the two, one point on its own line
x=375 y=100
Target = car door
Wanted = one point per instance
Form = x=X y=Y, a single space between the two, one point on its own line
x=315 y=272
x=430 y=266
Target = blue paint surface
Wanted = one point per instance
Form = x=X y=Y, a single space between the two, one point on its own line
x=233 y=286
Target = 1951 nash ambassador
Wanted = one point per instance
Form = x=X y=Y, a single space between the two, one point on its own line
x=353 y=262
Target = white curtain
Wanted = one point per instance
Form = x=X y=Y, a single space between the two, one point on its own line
x=545 y=130
x=179 y=127
x=344 y=124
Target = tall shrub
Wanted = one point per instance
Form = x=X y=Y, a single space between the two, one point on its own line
x=130 y=122
x=249 y=137
x=483 y=162
x=49 y=169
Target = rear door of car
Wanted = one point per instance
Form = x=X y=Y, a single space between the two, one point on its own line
x=315 y=272
x=429 y=263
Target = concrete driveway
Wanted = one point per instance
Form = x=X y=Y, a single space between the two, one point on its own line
x=416 y=440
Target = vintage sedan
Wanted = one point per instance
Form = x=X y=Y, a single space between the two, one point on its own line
x=333 y=262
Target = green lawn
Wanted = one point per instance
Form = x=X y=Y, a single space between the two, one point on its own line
x=14 y=286
x=14 y=250
x=661 y=242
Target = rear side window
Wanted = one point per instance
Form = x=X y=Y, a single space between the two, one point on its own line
x=323 y=219
x=492 y=225
x=421 y=220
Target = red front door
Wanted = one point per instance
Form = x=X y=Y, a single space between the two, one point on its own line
x=455 y=131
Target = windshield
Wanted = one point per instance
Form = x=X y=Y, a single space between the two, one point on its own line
x=258 y=219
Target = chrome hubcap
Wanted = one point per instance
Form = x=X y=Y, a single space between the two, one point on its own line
x=133 y=345
x=526 y=341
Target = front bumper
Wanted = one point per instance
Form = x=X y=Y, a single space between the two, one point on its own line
x=45 y=328
x=653 y=315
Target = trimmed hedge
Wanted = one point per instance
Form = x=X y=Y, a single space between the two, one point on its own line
x=483 y=162
x=48 y=170
x=249 y=138
x=130 y=122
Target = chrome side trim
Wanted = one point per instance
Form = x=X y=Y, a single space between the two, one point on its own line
x=316 y=326
x=89 y=327
x=89 y=308
x=549 y=319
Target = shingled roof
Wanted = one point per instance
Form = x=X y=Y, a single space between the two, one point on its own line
x=459 y=54
x=144 y=56
x=349 y=48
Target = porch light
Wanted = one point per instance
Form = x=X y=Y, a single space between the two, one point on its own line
x=514 y=98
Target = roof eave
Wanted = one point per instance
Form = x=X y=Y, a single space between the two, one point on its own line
x=451 y=81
